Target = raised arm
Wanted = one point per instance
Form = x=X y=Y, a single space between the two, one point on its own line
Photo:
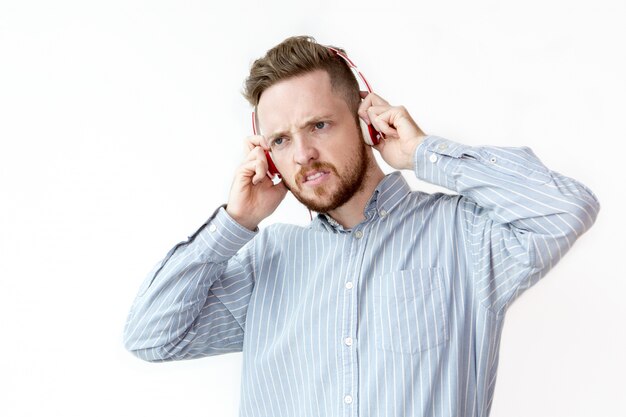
x=519 y=217
x=194 y=302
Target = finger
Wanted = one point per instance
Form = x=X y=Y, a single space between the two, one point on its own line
x=362 y=112
x=400 y=119
x=256 y=140
x=364 y=107
x=254 y=171
x=371 y=100
x=391 y=114
x=260 y=169
x=259 y=154
x=376 y=100
x=382 y=126
x=374 y=113
x=386 y=123
x=366 y=103
x=256 y=153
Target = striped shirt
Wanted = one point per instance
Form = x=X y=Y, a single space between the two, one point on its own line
x=399 y=316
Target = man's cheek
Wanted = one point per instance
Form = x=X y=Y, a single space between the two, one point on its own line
x=288 y=184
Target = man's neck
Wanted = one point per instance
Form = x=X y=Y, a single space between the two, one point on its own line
x=352 y=213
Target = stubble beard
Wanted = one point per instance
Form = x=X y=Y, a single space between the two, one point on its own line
x=350 y=183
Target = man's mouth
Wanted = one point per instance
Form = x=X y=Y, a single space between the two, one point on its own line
x=315 y=177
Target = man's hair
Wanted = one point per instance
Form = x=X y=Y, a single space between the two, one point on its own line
x=296 y=56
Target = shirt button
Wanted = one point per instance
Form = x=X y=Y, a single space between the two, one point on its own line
x=442 y=147
x=382 y=213
x=358 y=234
x=212 y=228
x=347 y=399
x=433 y=158
x=493 y=160
x=349 y=285
x=348 y=341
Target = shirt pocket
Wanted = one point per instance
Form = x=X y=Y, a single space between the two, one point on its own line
x=409 y=310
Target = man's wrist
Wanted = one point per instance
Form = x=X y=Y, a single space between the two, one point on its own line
x=242 y=220
x=411 y=160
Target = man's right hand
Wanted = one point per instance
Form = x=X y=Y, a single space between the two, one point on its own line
x=253 y=196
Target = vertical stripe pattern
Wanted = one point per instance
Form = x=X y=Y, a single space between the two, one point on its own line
x=399 y=316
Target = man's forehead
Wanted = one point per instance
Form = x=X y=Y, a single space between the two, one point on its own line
x=276 y=123
x=296 y=101
x=313 y=86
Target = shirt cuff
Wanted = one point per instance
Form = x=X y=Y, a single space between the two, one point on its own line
x=222 y=237
x=434 y=151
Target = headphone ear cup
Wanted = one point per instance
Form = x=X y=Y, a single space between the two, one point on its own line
x=271 y=167
x=371 y=136
x=367 y=137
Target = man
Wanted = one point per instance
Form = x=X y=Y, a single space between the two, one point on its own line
x=391 y=302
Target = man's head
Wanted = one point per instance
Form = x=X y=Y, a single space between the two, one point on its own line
x=299 y=55
x=307 y=100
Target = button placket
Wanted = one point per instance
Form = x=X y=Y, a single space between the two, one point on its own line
x=350 y=365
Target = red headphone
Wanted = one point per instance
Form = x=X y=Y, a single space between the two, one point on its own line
x=371 y=136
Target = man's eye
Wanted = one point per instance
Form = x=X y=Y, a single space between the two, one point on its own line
x=277 y=142
x=320 y=125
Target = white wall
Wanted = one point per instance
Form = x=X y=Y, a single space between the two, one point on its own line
x=121 y=123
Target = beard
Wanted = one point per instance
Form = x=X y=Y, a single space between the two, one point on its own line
x=350 y=183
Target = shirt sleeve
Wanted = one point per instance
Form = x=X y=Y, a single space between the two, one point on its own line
x=519 y=218
x=194 y=302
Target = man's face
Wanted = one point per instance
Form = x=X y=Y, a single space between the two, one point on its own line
x=315 y=140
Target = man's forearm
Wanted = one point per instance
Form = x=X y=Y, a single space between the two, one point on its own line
x=515 y=188
x=174 y=294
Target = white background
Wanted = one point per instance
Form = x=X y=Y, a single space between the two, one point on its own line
x=121 y=123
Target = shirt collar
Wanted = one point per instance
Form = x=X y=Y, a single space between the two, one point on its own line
x=389 y=192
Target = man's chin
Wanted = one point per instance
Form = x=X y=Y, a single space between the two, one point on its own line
x=323 y=201
x=335 y=191
x=319 y=204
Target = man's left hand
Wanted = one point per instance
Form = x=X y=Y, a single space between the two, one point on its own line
x=402 y=135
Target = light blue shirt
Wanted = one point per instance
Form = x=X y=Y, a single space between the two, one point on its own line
x=399 y=316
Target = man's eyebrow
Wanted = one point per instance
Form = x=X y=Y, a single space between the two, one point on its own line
x=311 y=121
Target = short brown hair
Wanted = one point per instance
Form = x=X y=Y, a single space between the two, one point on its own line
x=299 y=55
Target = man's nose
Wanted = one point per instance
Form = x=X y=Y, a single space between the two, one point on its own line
x=305 y=152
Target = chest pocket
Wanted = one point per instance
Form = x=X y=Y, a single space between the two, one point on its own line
x=409 y=310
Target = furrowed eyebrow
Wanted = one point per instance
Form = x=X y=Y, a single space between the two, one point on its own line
x=273 y=136
x=309 y=122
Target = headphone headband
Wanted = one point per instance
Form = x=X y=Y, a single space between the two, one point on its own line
x=352 y=66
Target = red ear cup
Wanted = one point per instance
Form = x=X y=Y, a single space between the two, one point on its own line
x=271 y=168
x=375 y=135
x=270 y=165
x=370 y=135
